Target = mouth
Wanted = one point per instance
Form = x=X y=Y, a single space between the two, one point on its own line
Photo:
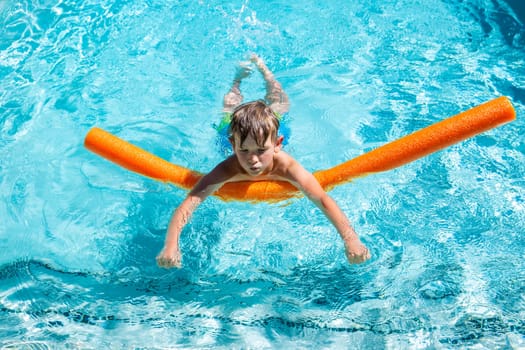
x=255 y=169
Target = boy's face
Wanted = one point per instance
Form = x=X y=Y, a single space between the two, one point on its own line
x=254 y=159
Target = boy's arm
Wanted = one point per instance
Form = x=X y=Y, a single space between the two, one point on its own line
x=170 y=255
x=356 y=252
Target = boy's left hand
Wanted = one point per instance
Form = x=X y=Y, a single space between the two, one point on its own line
x=356 y=252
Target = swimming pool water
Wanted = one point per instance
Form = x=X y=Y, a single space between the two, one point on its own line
x=79 y=235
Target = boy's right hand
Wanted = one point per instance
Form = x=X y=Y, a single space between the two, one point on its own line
x=169 y=260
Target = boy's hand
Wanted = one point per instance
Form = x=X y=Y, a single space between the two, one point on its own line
x=169 y=260
x=356 y=252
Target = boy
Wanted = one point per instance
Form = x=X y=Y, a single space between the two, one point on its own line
x=258 y=156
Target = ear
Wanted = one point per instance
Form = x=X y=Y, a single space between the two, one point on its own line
x=232 y=141
x=279 y=143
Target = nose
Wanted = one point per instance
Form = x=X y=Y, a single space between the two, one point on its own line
x=253 y=159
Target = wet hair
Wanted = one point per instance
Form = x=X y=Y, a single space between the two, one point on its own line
x=255 y=119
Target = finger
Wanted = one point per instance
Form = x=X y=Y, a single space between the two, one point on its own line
x=161 y=262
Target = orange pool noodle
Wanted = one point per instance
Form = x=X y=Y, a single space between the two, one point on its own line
x=389 y=156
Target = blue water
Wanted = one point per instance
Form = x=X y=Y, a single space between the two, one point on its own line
x=78 y=235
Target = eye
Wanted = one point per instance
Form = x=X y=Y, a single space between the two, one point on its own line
x=243 y=151
x=261 y=150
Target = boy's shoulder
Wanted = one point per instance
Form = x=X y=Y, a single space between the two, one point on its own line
x=230 y=164
x=229 y=168
x=284 y=161
x=284 y=156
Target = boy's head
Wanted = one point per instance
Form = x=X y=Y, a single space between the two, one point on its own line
x=255 y=119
